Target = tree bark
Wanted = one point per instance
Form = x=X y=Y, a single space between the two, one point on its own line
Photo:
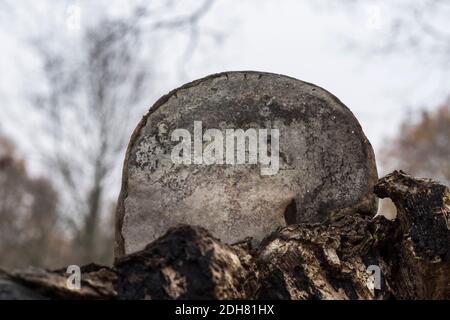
x=97 y=282
x=420 y=267
x=305 y=261
x=332 y=260
x=187 y=263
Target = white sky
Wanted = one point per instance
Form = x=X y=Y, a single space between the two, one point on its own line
x=308 y=42
x=313 y=43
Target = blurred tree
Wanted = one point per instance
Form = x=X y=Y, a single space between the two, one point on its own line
x=422 y=148
x=29 y=233
x=92 y=99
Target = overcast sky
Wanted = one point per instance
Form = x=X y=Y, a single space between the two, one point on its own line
x=295 y=38
x=313 y=43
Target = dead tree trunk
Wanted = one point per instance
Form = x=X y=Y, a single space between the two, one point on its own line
x=305 y=261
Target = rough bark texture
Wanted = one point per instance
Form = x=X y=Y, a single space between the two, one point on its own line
x=309 y=261
x=97 y=282
x=302 y=261
x=420 y=269
x=186 y=263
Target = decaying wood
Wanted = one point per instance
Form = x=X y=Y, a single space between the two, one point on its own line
x=97 y=282
x=186 y=263
x=420 y=264
x=325 y=262
x=303 y=261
